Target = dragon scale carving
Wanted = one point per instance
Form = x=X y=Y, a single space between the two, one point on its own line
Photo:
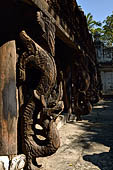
x=41 y=59
x=38 y=105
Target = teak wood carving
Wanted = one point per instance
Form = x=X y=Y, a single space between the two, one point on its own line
x=37 y=108
x=54 y=69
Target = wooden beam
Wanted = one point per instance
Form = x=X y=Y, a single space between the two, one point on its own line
x=8 y=106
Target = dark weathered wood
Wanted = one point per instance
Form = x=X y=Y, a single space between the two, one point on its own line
x=34 y=99
x=8 y=113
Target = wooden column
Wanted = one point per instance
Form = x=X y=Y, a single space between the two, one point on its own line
x=8 y=106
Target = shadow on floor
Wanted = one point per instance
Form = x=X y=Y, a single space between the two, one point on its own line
x=104 y=135
x=99 y=129
x=103 y=160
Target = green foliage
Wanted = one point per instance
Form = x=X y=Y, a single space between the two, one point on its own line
x=107 y=29
x=104 y=29
x=92 y=24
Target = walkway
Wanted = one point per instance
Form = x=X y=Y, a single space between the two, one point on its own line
x=85 y=145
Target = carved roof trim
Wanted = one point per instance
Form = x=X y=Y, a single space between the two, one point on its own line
x=63 y=33
x=62 y=29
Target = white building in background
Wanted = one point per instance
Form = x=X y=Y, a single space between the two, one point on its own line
x=105 y=61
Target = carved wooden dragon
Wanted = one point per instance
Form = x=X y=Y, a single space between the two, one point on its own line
x=36 y=108
x=82 y=82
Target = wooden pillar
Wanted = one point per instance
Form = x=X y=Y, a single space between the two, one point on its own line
x=8 y=106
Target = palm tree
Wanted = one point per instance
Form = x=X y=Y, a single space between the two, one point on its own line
x=92 y=24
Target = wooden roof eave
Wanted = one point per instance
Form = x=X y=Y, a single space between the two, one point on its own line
x=63 y=33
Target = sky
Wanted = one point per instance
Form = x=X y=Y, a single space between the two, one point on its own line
x=100 y=9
